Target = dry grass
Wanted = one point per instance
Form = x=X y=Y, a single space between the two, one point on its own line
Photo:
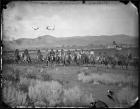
x=75 y=97
x=13 y=97
x=108 y=78
x=48 y=92
x=24 y=83
x=52 y=94
x=43 y=91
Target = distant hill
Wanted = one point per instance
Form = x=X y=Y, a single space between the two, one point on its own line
x=48 y=41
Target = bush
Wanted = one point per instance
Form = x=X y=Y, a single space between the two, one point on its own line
x=13 y=97
x=85 y=78
x=31 y=76
x=24 y=84
x=75 y=97
x=45 y=77
x=72 y=96
x=11 y=76
x=48 y=92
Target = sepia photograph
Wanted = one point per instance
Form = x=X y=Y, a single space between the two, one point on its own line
x=70 y=54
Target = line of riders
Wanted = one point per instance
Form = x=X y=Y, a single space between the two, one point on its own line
x=78 y=58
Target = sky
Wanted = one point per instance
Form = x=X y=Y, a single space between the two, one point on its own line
x=30 y=19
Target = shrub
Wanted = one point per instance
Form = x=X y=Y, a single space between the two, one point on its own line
x=85 y=79
x=76 y=97
x=45 y=77
x=13 y=97
x=72 y=96
x=31 y=76
x=24 y=84
x=11 y=76
x=48 y=92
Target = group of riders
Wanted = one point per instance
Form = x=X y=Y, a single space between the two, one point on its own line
x=77 y=57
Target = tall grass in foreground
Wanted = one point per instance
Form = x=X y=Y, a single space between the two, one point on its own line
x=13 y=97
x=75 y=97
x=47 y=92
x=53 y=94
x=42 y=91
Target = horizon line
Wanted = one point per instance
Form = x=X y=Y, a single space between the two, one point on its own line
x=70 y=36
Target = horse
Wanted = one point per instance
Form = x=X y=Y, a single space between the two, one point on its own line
x=67 y=59
x=78 y=58
x=72 y=58
x=123 y=61
x=51 y=60
x=135 y=62
x=91 y=59
x=57 y=59
x=112 y=61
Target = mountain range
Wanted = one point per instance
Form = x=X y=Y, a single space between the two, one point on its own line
x=48 y=41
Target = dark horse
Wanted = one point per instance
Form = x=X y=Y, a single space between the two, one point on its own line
x=123 y=61
x=17 y=56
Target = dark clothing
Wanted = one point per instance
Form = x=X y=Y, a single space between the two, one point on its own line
x=52 y=53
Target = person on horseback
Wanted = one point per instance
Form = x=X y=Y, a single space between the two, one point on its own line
x=47 y=57
x=17 y=56
x=68 y=56
x=57 y=52
x=39 y=55
x=52 y=53
x=61 y=56
x=68 y=52
x=57 y=56
x=62 y=51
x=91 y=57
x=51 y=56
x=26 y=56
x=129 y=56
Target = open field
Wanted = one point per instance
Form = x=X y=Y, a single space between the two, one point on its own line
x=70 y=54
x=66 y=86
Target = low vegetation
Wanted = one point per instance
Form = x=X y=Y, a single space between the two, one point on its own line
x=108 y=78
x=28 y=88
x=14 y=97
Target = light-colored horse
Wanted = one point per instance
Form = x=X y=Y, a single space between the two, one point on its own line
x=78 y=58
